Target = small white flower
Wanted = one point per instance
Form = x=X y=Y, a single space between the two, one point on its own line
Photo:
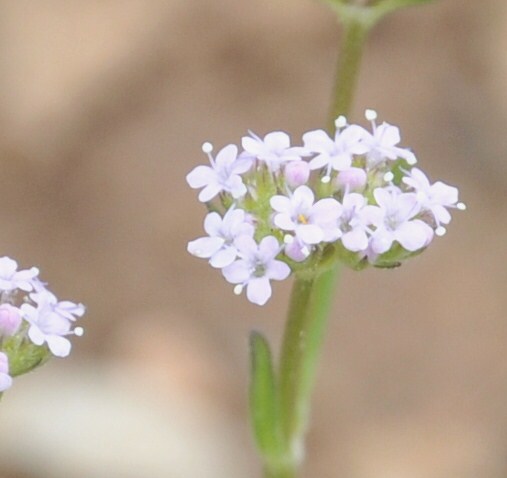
x=65 y=308
x=393 y=219
x=274 y=149
x=12 y=279
x=334 y=154
x=311 y=223
x=222 y=175
x=5 y=378
x=353 y=223
x=256 y=268
x=48 y=326
x=219 y=246
x=434 y=197
x=382 y=143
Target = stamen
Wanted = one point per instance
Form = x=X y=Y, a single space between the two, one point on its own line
x=340 y=122
x=388 y=177
x=370 y=115
x=207 y=147
x=238 y=289
x=79 y=331
x=288 y=239
x=325 y=179
x=461 y=206
x=440 y=231
x=302 y=219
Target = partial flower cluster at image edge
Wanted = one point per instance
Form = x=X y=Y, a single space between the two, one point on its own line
x=275 y=209
x=34 y=324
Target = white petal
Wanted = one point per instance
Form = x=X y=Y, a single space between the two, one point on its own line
x=320 y=161
x=388 y=135
x=269 y=247
x=318 y=141
x=237 y=273
x=355 y=240
x=309 y=233
x=205 y=247
x=209 y=192
x=303 y=195
x=59 y=346
x=284 y=222
x=414 y=235
x=213 y=223
x=226 y=156
x=36 y=335
x=280 y=204
x=251 y=145
x=278 y=270
x=381 y=241
x=259 y=290
x=5 y=382
x=224 y=257
x=326 y=210
x=200 y=176
x=277 y=141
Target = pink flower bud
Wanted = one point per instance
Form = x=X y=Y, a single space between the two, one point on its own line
x=352 y=178
x=297 y=173
x=10 y=320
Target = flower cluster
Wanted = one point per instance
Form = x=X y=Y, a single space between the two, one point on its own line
x=34 y=324
x=355 y=197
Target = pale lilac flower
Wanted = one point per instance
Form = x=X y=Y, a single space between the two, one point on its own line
x=334 y=154
x=219 y=246
x=5 y=378
x=297 y=173
x=393 y=219
x=10 y=320
x=222 y=175
x=353 y=223
x=274 y=149
x=382 y=143
x=12 y=279
x=48 y=326
x=256 y=268
x=65 y=308
x=434 y=197
x=311 y=223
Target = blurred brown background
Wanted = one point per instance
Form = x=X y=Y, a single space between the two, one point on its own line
x=103 y=107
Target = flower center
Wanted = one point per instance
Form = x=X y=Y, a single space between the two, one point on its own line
x=302 y=219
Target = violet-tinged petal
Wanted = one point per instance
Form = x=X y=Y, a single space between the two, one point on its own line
x=209 y=192
x=213 y=224
x=58 y=345
x=355 y=240
x=205 y=247
x=309 y=233
x=200 y=176
x=280 y=204
x=258 y=290
x=226 y=156
x=278 y=270
x=414 y=235
x=223 y=257
x=381 y=241
x=237 y=273
x=284 y=222
x=320 y=161
x=268 y=248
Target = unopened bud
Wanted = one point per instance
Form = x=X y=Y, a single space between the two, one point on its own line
x=10 y=320
x=297 y=173
x=352 y=178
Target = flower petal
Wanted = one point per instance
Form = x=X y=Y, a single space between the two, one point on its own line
x=259 y=290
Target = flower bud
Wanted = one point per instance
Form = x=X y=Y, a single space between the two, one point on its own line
x=297 y=173
x=352 y=178
x=296 y=251
x=10 y=320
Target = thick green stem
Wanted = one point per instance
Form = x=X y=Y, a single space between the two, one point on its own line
x=310 y=304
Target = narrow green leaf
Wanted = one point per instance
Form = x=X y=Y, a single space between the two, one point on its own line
x=264 y=399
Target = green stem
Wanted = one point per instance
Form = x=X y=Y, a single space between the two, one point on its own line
x=349 y=62
x=311 y=298
x=310 y=304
